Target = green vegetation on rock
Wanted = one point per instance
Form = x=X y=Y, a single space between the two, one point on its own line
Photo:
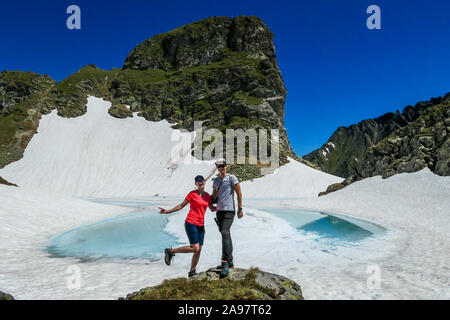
x=354 y=150
x=21 y=98
x=240 y=284
x=6 y=296
x=245 y=171
x=422 y=142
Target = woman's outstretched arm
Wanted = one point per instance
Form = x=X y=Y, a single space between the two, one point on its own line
x=174 y=209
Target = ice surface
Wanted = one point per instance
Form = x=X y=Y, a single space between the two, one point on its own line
x=327 y=225
x=143 y=235
x=132 y=236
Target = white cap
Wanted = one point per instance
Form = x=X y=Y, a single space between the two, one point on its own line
x=221 y=161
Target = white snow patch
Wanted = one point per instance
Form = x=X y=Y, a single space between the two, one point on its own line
x=97 y=155
x=414 y=205
x=293 y=180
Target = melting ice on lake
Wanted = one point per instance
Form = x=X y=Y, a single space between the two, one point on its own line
x=130 y=236
x=143 y=235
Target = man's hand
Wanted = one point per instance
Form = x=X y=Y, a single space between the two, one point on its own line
x=237 y=187
x=162 y=210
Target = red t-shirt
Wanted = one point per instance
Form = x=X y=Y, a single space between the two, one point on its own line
x=198 y=207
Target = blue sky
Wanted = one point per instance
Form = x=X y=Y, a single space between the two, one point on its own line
x=337 y=72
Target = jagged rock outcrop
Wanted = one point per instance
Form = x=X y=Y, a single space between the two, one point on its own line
x=422 y=143
x=285 y=289
x=6 y=296
x=16 y=87
x=239 y=284
x=3 y=181
x=220 y=70
x=347 y=152
x=203 y=42
x=22 y=95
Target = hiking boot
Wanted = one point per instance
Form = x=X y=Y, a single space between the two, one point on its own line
x=192 y=273
x=224 y=269
x=168 y=255
x=230 y=265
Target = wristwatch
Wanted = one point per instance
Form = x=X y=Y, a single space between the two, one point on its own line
x=239 y=209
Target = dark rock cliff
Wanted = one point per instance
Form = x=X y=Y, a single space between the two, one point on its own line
x=6 y=296
x=393 y=143
x=21 y=96
x=422 y=143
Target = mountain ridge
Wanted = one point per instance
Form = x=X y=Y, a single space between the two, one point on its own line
x=349 y=150
x=219 y=70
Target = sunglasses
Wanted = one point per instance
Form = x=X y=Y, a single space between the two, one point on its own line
x=199 y=181
x=221 y=166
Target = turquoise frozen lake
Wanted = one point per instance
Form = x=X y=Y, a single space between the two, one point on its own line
x=143 y=235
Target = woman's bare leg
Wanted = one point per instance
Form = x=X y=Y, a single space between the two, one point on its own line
x=197 y=250
x=184 y=249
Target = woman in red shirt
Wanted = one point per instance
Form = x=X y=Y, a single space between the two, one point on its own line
x=195 y=223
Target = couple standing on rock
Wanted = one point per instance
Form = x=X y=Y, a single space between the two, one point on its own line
x=223 y=194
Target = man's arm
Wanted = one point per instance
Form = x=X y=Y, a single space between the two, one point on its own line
x=237 y=188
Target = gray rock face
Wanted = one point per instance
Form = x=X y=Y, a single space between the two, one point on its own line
x=22 y=95
x=443 y=158
x=332 y=188
x=422 y=143
x=219 y=70
x=16 y=87
x=285 y=288
x=262 y=285
x=380 y=146
x=203 y=42
x=120 y=111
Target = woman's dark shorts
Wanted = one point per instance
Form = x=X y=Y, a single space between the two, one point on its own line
x=195 y=233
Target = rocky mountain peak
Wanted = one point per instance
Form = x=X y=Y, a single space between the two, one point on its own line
x=221 y=71
x=395 y=142
x=203 y=42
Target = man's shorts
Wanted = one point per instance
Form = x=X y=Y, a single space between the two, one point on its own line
x=195 y=233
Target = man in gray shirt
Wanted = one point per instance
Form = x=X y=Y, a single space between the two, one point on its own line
x=223 y=188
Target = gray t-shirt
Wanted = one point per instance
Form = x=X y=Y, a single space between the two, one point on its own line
x=225 y=192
